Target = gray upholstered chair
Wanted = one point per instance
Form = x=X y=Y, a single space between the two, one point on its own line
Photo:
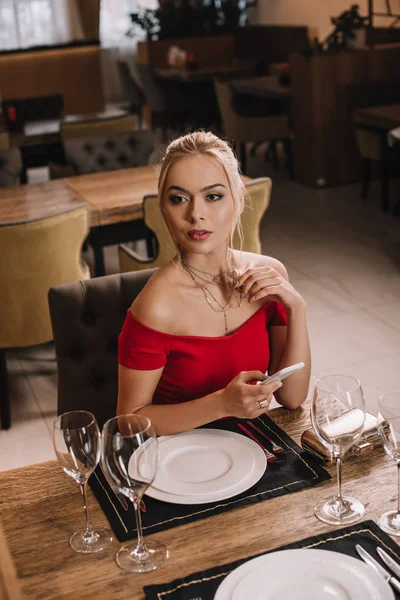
x=109 y=152
x=87 y=318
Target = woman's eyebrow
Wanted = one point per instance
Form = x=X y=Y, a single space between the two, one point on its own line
x=178 y=188
x=213 y=185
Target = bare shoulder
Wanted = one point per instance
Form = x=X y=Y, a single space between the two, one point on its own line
x=250 y=260
x=159 y=302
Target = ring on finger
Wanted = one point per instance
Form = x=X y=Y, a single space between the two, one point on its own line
x=261 y=403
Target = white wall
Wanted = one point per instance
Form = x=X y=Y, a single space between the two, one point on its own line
x=313 y=13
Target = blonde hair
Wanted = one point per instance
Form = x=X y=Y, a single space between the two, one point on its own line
x=205 y=143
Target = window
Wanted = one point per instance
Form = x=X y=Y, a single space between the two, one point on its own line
x=115 y=21
x=27 y=23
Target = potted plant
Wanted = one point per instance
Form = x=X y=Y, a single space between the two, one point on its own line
x=349 y=33
x=182 y=18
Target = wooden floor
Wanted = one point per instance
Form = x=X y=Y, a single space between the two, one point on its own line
x=342 y=254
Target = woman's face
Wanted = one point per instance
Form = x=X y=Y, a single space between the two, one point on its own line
x=198 y=205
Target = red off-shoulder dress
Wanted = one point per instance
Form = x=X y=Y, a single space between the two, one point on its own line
x=195 y=366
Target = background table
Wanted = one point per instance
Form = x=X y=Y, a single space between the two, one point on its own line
x=41 y=506
x=263 y=87
x=115 y=199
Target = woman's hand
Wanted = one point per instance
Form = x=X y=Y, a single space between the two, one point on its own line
x=244 y=400
x=262 y=282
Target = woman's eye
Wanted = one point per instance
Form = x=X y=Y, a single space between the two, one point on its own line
x=214 y=197
x=177 y=199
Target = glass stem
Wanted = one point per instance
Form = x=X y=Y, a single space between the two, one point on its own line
x=398 y=486
x=339 y=478
x=88 y=529
x=140 y=548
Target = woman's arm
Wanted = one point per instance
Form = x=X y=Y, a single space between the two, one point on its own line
x=288 y=345
x=239 y=399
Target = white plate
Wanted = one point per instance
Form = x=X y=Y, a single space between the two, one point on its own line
x=304 y=574
x=206 y=465
x=201 y=463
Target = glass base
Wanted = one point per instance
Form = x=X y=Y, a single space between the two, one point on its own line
x=97 y=541
x=390 y=522
x=336 y=513
x=129 y=560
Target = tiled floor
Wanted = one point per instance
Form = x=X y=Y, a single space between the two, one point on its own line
x=343 y=255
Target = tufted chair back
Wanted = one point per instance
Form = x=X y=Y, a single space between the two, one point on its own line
x=87 y=318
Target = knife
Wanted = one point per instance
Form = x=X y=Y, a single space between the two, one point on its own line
x=395 y=583
x=389 y=561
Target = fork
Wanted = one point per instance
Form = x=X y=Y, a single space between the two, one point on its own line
x=276 y=449
x=270 y=457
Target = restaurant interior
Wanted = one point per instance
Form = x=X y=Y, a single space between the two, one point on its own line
x=308 y=96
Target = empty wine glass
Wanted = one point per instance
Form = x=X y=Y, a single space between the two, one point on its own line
x=389 y=430
x=338 y=415
x=76 y=440
x=129 y=459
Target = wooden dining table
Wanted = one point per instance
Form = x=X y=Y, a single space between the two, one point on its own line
x=41 y=507
x=115 y=200
x=202 y=74
x=263 y=87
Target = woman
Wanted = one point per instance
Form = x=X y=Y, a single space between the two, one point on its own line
x=209 y=323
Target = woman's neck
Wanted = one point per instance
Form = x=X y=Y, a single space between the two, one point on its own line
x=216 y=263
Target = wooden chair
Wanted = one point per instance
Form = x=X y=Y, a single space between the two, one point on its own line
x=242 y=130
x=258 y=193
x=35 y=256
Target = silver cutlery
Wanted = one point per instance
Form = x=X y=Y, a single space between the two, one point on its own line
x=395 y=583
x=276 y=449
x=389 y=561
x=270 y=457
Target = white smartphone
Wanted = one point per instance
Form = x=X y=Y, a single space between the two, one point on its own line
x=283 y=373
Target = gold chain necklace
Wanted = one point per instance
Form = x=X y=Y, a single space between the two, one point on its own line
x=234 y=297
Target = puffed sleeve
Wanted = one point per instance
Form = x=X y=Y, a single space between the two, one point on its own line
x=140 y=347
x=278 y=314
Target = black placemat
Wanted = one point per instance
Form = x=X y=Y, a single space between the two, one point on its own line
x=204 y=584
x=297 y=471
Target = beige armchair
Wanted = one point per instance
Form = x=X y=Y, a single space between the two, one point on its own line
x=258 y=192
x=242 y=130
x=34 y=256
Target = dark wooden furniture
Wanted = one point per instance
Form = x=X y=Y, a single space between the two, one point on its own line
x=325 y=148
x=41 y=506
x=74 y=72
x=263 y=87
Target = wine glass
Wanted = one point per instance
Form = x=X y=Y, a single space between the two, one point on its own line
x=76 y=440
x=338 y=415
x=389 y=430
x=129 y=458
